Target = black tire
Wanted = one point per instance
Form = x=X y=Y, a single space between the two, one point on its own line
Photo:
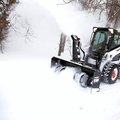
x=110 y=73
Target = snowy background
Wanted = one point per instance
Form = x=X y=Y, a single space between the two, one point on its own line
x=29 y=89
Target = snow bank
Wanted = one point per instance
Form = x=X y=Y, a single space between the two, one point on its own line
x=29 y=92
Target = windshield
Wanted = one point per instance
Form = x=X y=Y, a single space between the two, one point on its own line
x=99 y=41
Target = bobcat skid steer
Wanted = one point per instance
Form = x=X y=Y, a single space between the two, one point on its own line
x=100 y=63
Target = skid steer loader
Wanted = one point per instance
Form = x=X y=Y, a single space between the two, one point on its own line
x=100 y=63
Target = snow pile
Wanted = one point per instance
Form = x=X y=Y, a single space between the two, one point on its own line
x=29 y=89
x=29 y=92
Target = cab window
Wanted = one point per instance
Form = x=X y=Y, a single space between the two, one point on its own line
x=116 y=41
x=99 y=40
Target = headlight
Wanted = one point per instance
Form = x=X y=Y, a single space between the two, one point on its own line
x=111 y=30
x=94 y=29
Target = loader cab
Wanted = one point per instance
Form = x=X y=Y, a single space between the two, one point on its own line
x=101 y=41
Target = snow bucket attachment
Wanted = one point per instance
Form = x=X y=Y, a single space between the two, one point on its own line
x=94 y=76
x=88 y=75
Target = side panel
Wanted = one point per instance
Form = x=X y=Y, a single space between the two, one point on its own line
x=112 y=56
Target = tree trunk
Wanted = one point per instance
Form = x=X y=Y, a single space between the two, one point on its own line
x=62 y=44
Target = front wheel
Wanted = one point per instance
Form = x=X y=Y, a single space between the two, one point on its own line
x=114 y=74
x=111 y=73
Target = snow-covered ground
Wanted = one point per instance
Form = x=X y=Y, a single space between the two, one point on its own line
x=29 y=89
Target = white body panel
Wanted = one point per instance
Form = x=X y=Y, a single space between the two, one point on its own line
x=108 y=57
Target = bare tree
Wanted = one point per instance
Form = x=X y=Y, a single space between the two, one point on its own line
x=110 y=7
x=113 y=12
x=5 y=9
x=62 y=44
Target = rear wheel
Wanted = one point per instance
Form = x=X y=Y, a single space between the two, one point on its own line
x=110 y=73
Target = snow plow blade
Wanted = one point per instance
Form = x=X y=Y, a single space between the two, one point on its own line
x=57 y=61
